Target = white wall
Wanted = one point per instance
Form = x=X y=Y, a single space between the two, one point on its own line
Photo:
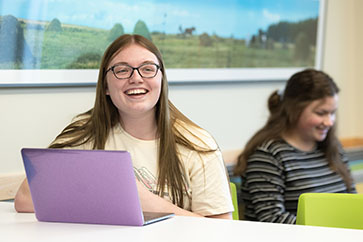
x=231 y=113
x=34 y=116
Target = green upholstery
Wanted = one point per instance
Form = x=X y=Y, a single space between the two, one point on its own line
x=331 y=210
x=234 y=200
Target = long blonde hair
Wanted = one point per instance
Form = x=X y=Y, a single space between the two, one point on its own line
x=285 y=109
x=95 y=124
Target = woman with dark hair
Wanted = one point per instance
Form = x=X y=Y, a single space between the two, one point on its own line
x=297 y=150
x=178 y=165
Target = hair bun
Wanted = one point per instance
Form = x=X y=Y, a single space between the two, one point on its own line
x=274 y=101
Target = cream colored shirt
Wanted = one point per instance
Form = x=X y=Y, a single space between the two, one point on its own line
x=205 y=174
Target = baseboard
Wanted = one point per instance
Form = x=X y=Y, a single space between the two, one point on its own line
x=359 y=187
x=352 y=142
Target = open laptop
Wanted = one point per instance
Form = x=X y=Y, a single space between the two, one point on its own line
x=85 y=186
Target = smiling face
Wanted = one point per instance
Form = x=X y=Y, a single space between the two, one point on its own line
x=135 y=96
x=316 y=120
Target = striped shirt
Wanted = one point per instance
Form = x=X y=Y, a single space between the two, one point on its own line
x=276 y=175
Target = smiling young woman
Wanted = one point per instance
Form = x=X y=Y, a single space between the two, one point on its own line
x=314 y=124
x=296 y=151
x=178 y=165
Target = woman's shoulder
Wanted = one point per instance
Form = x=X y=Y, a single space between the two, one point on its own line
x=270 y=154
x=342 y=152
x=196 y=134
x=71 y=132
x=274 y=146
x=81 y=119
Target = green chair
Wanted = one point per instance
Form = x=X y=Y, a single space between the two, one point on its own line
x=340 y=210
x=234 y=200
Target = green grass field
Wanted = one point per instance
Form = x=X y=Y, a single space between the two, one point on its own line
x=82 y=47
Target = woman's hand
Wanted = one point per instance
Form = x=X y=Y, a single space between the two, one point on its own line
x=153 y=203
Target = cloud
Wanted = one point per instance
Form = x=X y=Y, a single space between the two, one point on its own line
x=180 y=13
x=271 y=17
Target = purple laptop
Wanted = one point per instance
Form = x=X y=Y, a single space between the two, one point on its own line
x=85 y=186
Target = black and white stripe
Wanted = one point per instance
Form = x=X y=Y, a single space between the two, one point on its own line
x=277 y=174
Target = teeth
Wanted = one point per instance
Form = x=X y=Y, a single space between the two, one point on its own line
x=136 y=91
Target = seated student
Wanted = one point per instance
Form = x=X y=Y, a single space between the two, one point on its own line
x=297 y=150
x=178 y=165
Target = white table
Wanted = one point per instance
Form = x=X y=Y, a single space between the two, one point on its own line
x=16 y=227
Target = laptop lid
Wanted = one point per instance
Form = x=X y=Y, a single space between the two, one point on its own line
x=83 y=186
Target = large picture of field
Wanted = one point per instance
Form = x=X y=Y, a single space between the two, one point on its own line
x=72 y=35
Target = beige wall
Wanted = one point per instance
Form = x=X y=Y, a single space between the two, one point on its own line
x=32 y=117
x=359 y=63
x=344 y=62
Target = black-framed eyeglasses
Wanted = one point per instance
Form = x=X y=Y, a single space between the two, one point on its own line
x=124 y=71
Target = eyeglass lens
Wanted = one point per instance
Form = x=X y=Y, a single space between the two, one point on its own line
x=125 y=71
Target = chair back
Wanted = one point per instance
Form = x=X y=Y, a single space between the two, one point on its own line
x=234 y=201
x=340 y=210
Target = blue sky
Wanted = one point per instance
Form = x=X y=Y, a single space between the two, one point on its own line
x=224 y=17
